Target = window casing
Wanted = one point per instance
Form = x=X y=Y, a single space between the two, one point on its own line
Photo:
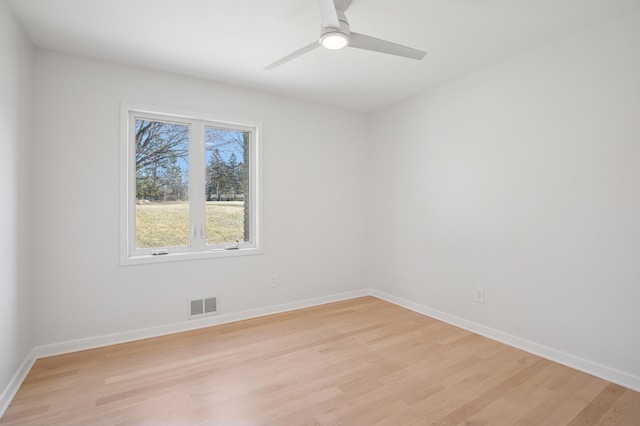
x=190 y=186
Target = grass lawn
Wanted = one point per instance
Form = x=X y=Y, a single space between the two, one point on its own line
x=167 y=225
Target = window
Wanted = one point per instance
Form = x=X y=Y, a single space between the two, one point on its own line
x=189 y=186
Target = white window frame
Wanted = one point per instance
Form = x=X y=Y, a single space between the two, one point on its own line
x=198 y=249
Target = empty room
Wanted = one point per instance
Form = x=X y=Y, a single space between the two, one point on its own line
x=321 y=212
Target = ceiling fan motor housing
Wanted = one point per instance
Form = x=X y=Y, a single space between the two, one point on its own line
x=336 y=38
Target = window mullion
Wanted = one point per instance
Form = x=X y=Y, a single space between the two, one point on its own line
x=131 y=182
x=196 y=186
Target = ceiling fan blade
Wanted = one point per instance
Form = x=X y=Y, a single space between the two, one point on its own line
x=299 y=52
x=328 y=14
x=361 y=41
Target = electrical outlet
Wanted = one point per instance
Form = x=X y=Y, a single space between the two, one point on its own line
x=274 y=281
x=479 y=294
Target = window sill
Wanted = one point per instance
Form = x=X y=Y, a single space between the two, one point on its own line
x=178 y=257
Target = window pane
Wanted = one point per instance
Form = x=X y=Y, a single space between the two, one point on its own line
x=162 y=184
x=228 y=215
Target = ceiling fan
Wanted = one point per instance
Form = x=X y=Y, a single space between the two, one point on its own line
x=336 y=34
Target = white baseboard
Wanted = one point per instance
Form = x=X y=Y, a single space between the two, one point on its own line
x=14 y=384
x=607 y=373
x=128 y=336
x=590 y=367
x=145 y=333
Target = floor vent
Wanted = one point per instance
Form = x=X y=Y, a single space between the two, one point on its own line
x=203 y=307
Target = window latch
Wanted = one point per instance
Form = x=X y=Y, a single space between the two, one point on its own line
x=233 y=247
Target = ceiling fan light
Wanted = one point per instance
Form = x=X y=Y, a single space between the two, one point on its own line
x=334 y=40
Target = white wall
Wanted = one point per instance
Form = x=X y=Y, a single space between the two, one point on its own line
x=16 y=62
x=314 y=202
x=523 y=178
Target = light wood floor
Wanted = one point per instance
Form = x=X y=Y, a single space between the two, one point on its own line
x=362 y=361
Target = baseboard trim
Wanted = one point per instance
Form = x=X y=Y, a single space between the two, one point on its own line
x=16 y=381
x=163 y=330
x=590 y=367
x=606 y=373
x=146 y=333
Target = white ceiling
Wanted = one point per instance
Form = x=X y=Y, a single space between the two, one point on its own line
x=233 y=40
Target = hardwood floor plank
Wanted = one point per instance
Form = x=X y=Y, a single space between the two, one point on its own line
x=357 y=362
x=624 y=412
x=591 y=414
x=559 y=408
